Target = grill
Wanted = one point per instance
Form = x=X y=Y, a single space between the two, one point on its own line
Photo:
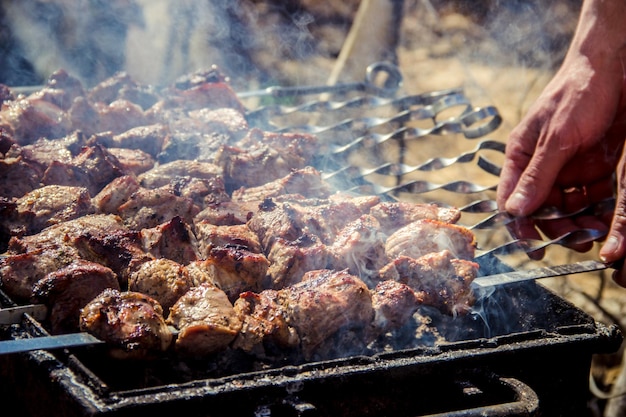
x=523 y=351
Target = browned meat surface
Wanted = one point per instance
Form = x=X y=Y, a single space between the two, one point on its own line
x=206 y=319
x=108 y=90
x=306 y=182
x=305 y=315
x=225 y=213
x=162 y=279
x=119 y=116
x=148 y=139
x=148 y=208
x=324 y=303
x=44 y=151
x=261 y=157
x=116 y=193
x=31 y=118
x=394 y=303
x=360 y=247
x=210 y=236
x=61 y=89
x=265 y=327
x=47 y=206
x=438 y=278
x=69 y=289
x=20 y=272
x=18 y=177
x=427 y=236
x=121 y=250
x=64 y=235
x=133 y=161
x=173 y=240
x=172 y=172
x=274 y=221
x=291 y=259
x=397 y=214
x=131 y=323
x=93 y=168
x=235 y=270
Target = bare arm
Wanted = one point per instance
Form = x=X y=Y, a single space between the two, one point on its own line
x=573 y=135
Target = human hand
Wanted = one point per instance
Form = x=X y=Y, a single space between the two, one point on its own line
x=564 y=152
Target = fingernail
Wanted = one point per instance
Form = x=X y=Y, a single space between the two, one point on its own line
x=516 y=203
x=609 y=247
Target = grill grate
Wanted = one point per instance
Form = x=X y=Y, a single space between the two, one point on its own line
x=432 y=147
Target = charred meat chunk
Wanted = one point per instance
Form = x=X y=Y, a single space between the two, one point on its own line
x=211 y=236
x=394 y=303
x=47 y=206
x=206 y=320
x=397 y=214
x=438 y=278
x=131 y=324
x=306 y=182
x=162 y=279
x=235 y=270
x=431 y=236
x=69 y=289
x=173 y=240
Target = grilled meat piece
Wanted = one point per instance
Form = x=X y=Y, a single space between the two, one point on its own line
x=69 y=289
x=162 y=279
x=273 y=221
x=84 y=116
x=31 y=118
x=120 y=250
x=206 y=95
x=20 y=272
x=119 y=116
x=360 y=247
x=211 y=236
x=174 y=172
x=261 y=157
x=107 y=91
x=131 y=323
x=61 y=89
x=206 y=319
x=397 y=214
x=49 y=205
x=431 y=236
x=290 y=220
x=148 y=138
x=133 y=161
x=303 y=316
x=235 y=270
x=439 y=279
x=148 y=208
x=30 y=258
x=324 y=303
x=394 y=303
x=265 y=329
x=116 y=193
x=226 y=213
x=93 y=168
x=18 y=177
x=291 y=259
x=172 y=240
x=306 y=182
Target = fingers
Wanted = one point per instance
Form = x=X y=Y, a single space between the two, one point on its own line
x=614 y=248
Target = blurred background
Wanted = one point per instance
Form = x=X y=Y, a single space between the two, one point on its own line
x=501 y=52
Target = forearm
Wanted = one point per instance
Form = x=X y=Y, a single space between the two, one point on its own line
x=601 y=30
